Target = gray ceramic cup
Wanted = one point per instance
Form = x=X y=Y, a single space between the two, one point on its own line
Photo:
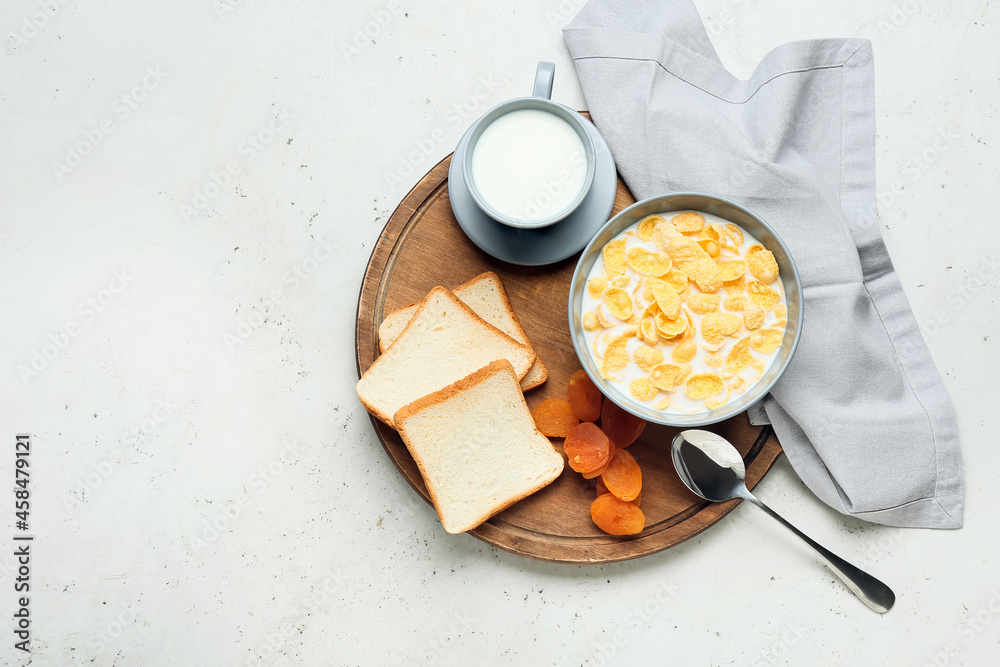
x=540 y=100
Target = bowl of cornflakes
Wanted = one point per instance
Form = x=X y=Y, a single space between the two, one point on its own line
x=685 y=309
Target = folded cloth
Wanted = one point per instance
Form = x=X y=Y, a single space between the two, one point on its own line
x=861 y=412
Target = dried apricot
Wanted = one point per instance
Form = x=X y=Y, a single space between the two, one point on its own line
x=584 y=397
x=586 y=447
x=554 y=417
x=623 y=428
x=617 y=517
x=600 y=471
x=600 y=488
x=622 y=476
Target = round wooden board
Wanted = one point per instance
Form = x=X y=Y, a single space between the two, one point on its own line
x=421 y=247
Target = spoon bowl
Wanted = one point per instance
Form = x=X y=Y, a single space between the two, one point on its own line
x=709 y=465
x=712 y=468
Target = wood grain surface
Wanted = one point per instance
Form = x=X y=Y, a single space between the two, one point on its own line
x=421 y=247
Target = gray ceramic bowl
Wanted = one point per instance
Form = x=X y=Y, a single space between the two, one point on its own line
x=688 y=201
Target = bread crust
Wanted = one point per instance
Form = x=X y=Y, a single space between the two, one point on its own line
x=457 y=387
x=536 y=379
x=536 y=376
x=446 y=393
x=456 y=302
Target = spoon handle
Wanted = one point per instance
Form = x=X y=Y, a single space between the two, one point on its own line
x=872 y=592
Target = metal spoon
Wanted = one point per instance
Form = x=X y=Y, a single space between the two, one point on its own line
x=711 y=467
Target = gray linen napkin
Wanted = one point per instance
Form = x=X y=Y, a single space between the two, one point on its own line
x=861 y=411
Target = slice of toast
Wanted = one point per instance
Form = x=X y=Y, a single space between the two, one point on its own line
x=477 y=446
x=442 y=343
x=486 y=296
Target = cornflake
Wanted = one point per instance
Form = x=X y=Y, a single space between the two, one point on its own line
x=677 y=279
x=643 y=389
x=614 y=257
x=667 y=376
x=753 y=316
x=766 y=341
x=735 y=233
x=616 y=355
x=646 y=357
x=670 y=327
x=604 y=322
x=711 y=247
x=762 y=264
x=667 y=300
x=716 y=403
x=703 y=303
x=618 y=302
x=647 y=330
x=731 y=269
x=596 y=285
x=684 y=352
x=736 y=302
x=647 y=225
x=764 y=296
x=738 y=286
x=688 y=221
x=739 y=357
x=703 y=385
x=648 y=263
x=621 y=282
x=714 y=361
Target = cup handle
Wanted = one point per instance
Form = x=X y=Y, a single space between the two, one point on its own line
x=543 y=80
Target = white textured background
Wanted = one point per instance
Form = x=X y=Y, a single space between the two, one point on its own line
x=217 y=385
